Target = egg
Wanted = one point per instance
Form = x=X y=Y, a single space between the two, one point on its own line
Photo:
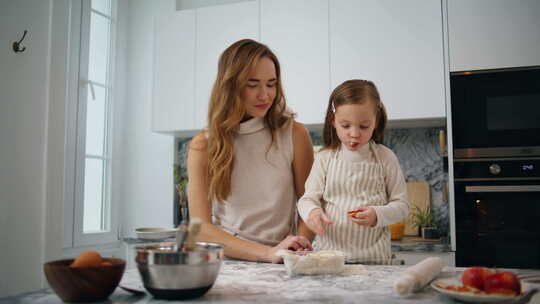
x=89 y=258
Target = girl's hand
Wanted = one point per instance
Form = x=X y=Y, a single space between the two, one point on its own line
x=316 y=219
x=364 y=216
x=294 y=243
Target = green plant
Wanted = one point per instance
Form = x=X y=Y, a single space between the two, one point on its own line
x=422 y=218
x=180 y=183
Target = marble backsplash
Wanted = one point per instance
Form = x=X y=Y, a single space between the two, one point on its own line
x=417 y=150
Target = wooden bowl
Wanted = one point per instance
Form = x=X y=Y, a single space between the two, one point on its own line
x=84 y=284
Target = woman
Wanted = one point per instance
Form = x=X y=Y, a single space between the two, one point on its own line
x=247 y=170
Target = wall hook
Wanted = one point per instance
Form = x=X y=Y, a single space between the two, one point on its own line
x=17 y=45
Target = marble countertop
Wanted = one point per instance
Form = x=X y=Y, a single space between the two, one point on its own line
x=137 y=241
x=407 y=244
x=248 y=282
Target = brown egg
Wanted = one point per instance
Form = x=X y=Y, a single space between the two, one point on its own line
x=88 y=258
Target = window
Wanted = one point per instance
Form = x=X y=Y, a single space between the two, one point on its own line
x=93 y=218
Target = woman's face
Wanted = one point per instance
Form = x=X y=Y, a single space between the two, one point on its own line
x=355 y=124
x=260 y=91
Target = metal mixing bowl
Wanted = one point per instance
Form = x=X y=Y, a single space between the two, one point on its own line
x=171 y=274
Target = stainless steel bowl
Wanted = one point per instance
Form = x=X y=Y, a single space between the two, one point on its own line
x=169 y=274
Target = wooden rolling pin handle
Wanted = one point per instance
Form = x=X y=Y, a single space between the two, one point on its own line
x=442 y=142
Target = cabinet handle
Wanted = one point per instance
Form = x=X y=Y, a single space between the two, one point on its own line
x=524 y=188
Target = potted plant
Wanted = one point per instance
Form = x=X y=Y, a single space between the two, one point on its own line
x=180 y=183
x=423 y=219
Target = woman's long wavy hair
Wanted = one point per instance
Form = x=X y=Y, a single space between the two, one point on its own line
x=354 y=91
x=226 y=110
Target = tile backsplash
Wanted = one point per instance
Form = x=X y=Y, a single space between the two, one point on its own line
x=416 y=148
x=421 y=160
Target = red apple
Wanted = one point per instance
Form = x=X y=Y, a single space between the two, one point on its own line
x=502 y=282
x=475 y=276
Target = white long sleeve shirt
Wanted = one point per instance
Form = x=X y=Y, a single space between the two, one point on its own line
x=345 y=180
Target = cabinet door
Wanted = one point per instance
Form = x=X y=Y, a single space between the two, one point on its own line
x=297 y=32
x=173 y=93
x=396 y=44
x=217 y=28
x=492 y=34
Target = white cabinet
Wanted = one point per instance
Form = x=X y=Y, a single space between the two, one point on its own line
x=173 y=91
x=320 y=44
x=396 y=44
x=187 y=46
x=217 y=28
x=491 y=34
x=297 y=32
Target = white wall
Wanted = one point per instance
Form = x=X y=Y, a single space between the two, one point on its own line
x=24 y=93
x=146 y=187
x=32 y=122
x=56 y=130
x=188 y=4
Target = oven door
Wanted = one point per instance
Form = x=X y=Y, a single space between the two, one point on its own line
x=498 y=224
x=496 y=109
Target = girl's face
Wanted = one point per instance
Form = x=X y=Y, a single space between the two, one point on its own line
x=354 y=124
x=260 y=91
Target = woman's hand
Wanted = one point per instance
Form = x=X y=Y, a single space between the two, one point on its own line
x=294 y=243
x=364 y=216
x=316 y=219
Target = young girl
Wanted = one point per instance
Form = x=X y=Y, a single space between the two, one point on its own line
x=356 y=187
x=248 y=169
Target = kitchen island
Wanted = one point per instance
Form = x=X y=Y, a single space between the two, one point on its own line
x=248 y=282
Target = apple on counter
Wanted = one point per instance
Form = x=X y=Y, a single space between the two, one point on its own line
x=475 y=277
x=502 y=282
x=490 y=281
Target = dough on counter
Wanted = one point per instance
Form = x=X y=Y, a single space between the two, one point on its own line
x=417 y=276
x=320 y=262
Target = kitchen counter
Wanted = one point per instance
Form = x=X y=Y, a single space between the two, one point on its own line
x=409 y=250
x=248 y=282
x=412 y=244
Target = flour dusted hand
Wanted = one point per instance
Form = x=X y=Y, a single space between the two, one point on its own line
x=316 y=221
x=416 y=277
x=364 y=216
x=290 y=243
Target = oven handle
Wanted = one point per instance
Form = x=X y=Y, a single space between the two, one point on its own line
x=525 y=188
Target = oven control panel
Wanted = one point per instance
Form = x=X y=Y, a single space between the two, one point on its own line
x=498 y=168
x=495 y=169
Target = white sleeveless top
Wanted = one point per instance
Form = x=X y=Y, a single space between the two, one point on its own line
x=262 y=203
x=341 y=181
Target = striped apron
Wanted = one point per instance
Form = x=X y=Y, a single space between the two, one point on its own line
x=349 y=186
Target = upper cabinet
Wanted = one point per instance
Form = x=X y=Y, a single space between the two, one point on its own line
x=320 y=44
x=297 y=32
x=396 y=44
x=187 y=46
x=217 y=28
x=492 y=34
x=173 y=90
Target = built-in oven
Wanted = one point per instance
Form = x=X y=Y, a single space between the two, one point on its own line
x=497 y=212
x=496 y=152
x=496 y=113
